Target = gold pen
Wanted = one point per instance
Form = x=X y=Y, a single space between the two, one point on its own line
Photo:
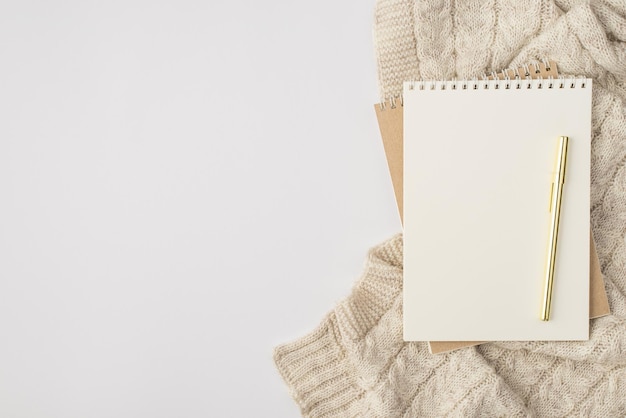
x=556 y=194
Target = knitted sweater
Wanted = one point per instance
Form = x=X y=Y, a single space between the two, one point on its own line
x=356 y=362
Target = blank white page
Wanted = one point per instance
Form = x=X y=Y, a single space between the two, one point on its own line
x=478 y=168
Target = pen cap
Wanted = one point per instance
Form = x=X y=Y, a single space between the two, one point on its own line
x=561 y=159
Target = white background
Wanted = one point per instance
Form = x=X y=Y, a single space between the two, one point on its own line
x=183 y=186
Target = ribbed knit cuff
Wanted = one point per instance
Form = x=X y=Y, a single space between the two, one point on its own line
x=317 y=373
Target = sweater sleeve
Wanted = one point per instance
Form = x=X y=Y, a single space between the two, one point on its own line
x=321 y=368
x=316 y=370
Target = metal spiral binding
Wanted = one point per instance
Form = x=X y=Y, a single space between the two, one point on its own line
x=393 y=101
x=494 y=84
x=512 y=78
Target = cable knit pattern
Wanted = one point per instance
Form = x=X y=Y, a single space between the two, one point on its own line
x=355 y=364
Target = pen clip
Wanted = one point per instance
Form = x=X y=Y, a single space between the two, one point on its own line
x=550 y=204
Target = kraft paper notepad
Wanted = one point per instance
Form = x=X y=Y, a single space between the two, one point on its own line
x=478 y=164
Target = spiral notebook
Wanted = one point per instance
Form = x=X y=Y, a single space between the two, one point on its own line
x=477 y=179
x=389 y=114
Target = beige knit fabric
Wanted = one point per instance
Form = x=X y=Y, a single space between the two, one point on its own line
x=355 y=364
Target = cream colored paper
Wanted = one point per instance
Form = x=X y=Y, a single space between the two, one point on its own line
x=475 y=212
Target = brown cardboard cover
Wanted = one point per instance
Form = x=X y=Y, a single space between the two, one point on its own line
x=390 y=122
